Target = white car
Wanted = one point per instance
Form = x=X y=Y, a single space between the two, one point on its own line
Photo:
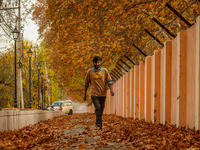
x=65 y=106
x=56 y=106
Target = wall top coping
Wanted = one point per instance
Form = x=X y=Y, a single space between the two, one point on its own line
x=28 y=112
x=10 y=109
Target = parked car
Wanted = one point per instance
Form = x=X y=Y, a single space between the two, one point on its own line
x=48 y=108
x=57 y=105
x=65 y=106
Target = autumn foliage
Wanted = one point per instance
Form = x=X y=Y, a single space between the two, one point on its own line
x=7 y=77
x=76 y=30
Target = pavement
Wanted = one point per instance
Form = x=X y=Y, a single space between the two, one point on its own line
x=78 y=132
x=85 y=135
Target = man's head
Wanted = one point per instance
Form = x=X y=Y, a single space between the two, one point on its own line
x=97 y=62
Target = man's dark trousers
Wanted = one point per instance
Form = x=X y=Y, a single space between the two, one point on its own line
x=99 y=104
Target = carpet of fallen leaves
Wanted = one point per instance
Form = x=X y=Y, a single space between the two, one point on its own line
x=133 y=134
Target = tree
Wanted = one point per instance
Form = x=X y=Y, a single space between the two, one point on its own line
x=7 y=77
x=76 y=30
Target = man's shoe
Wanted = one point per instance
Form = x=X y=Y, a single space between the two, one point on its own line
x=99 y=126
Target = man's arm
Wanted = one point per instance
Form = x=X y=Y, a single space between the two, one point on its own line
x=86 y=83
x=85 y=92
x=110 y=83
x=111 y=89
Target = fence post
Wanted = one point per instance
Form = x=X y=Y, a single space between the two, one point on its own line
x=192 y=78
x=148 y=86
x=128 y=94
x=132 y=92
x=156 y=81
x=141 y=89
x=136 y=100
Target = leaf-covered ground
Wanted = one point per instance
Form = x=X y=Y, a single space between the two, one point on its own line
x=79 y=132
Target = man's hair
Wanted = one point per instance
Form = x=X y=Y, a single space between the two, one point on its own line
x=97 y=58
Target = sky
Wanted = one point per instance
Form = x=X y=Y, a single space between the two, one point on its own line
x=30 y=31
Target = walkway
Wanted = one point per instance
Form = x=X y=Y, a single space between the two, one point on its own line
x=79 y=132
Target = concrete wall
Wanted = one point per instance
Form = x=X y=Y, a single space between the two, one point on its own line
x=165 y=87
x=13 y=119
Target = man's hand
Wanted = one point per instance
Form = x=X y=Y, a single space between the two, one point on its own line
x=112 y=93
x=111 y=89
x=84 y=97
x=85 y=92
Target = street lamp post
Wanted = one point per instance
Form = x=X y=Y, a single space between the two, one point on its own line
x=21 y=36
x=29 y=55
x=44 y=93
x=15 y=36
x=38 y=67
x=42 y=88
x=51 y=92
x=34 y=47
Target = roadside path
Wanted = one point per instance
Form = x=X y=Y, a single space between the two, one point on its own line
x=78 y=132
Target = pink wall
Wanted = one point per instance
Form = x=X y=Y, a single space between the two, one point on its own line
x=174 y=82
x=183 y=78
x=113 y=101
x=156 y=94
x=191 y=66
x=168 y=82
x=198 y=71
x=137 y=91
x=141 y=89
x=116 y=98
x=121 y=97
x=148 y=89
x=125 y=95
x=132 y=93
x=164 y=88
x=128 y=94
x=108 y=102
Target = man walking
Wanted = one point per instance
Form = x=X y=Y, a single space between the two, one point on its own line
x=98 y=78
